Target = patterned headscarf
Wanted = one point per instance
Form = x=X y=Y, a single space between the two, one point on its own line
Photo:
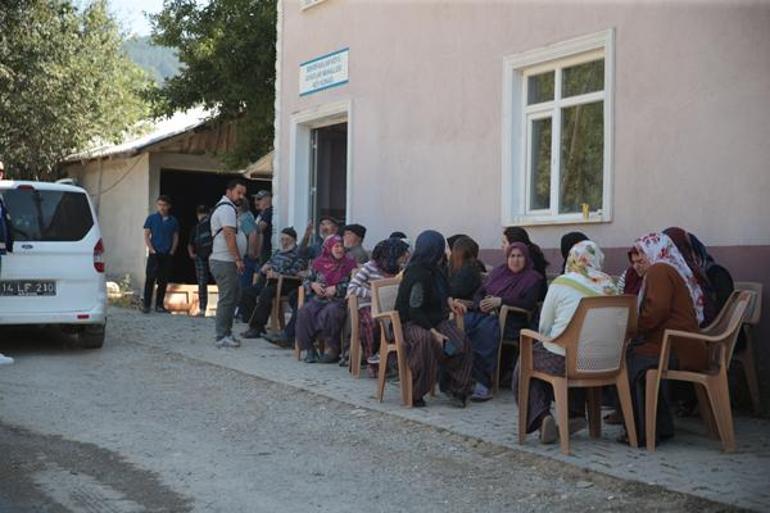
x=584 y=268
x=387 y=253
x=659 y=248
x=333 y=270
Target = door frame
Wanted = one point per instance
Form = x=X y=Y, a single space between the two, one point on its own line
x=301 y=125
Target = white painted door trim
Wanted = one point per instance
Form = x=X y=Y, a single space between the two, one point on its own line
x=301 y=123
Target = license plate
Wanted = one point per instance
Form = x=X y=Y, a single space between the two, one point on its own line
x=27 y=288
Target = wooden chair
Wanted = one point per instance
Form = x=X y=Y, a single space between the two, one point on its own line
x=506 y=311
x=746 y=357
x=720 y=338
x=595 y=343
x=354 y=354
x=277 y=316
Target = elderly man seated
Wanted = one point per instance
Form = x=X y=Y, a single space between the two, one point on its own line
x=257 y=300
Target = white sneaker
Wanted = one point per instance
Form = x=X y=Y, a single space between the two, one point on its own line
x=227 y=341
x=5 y=360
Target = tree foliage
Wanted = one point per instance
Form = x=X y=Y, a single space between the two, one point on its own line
x=227 y=49
x=64 y=82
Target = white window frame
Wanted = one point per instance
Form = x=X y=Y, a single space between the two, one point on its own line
x=517 y=117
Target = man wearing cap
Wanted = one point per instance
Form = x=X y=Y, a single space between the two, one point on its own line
x=264 y=203
x=353 y=238
x=327 y=226
x=258 y=300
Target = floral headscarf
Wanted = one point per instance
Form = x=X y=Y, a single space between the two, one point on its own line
x=331 y=269
x=659 y=248
x=584 y=268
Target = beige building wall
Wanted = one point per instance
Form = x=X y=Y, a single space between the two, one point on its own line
x=116 y=188
x=425 y=93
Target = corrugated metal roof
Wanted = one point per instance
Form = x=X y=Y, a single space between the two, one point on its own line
x=162 y=129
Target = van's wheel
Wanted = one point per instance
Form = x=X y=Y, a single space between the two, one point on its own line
x=92 y=336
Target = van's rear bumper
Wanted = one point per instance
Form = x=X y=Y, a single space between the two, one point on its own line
x=97 y=315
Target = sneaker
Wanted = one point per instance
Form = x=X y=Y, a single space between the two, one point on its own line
x=202 y=313
x=548 y=432
x=227 y=341
x=5 y=360
x=311 y=356
x=329 y=358
x=145 y=309
x=160 y=309
x=374 y=359
x=480 y=393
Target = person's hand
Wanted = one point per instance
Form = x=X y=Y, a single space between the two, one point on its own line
x=330 y=291
x=457 y=307
x=317 y=288
x=152 y=251
x=239 y=266
x=437 y=336
x=266 y=269
x=490 y=303
x=191 y=253
x=309 y=228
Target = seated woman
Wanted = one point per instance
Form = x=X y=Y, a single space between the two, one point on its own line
x=513 y=283
x=584 y=278
x=323 y=314
x=517 y=234
x=464 y=269
x=434 y=345
x=670 y=299
x=388 y=258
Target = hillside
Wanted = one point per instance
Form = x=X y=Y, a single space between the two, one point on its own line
x=160 y=62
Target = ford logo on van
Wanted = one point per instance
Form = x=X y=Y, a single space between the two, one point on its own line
x=27 y=246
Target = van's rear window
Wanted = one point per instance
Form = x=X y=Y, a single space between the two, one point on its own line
x=48 y=215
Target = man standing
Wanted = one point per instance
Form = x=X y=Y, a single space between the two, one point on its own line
x=248 y=226
x=264 y=203
x=200 y=255
x=161 y=236
x=226 y=261
x=353 y=238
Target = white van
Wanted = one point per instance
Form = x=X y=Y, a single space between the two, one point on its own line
x=55 y=274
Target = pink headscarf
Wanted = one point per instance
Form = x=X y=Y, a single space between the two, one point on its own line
x=332 y=270
x=658 y=247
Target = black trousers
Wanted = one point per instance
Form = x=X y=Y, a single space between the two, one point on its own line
x=158 y=270
x=258 y=301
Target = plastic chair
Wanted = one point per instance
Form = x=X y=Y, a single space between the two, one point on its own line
x=505 y=311
x=720 y=339
x=384 y=293
x=746 y=357
x=595 y=343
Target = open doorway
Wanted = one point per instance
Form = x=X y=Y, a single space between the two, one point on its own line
x=328 y=172
x=187 y=190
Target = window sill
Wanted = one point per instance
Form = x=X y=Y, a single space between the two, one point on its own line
x=547 y=220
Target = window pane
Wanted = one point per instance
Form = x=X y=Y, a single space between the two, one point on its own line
x=540 y=88
x=583 y=78
x=540 y=172
x=582 y=157
x=48 y=215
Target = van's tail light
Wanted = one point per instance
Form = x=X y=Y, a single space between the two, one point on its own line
x=99 y=256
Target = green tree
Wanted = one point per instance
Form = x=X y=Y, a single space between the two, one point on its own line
x=64 y=82
x=227 y=50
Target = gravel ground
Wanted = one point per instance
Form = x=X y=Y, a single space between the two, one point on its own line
x=132 y=428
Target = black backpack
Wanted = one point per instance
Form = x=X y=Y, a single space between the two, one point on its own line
x=203 y=239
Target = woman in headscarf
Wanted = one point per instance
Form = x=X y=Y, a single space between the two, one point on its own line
x=388 y=258
x=464 y=268
x=435 y=346
x=681 y=240
x=670 y=298
x=513 y=283
x=567 y=241
x=517 y=234
x=584 y=278
x=323 y=314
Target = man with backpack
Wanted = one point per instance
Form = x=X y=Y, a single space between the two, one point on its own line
x=226 y=260
x=199 y=249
